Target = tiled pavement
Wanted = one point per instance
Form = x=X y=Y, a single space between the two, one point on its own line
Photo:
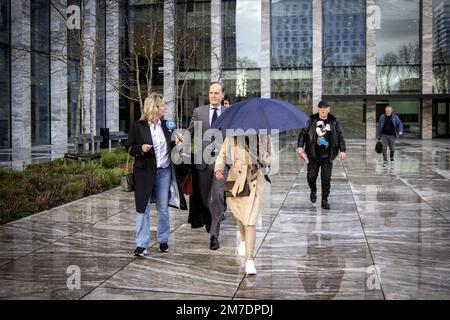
x=387 y=236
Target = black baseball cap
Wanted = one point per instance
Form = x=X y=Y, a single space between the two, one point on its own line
x=323 y=104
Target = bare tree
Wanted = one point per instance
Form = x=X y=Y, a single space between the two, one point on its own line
x=91 y=91
x=440 y=71
x=403 y=64
x=78 y=38
x=386 y=71
x=88 y=55
x=183 y=45
x=146 y=45
x=85 y=44
x=136 y=69
x=144 y=38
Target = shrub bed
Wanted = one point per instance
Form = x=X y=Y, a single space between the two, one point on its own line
x=44 y=186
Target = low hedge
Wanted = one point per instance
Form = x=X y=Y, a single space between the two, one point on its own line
x=44 y=186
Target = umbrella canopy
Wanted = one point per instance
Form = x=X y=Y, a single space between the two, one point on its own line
x=261 y=114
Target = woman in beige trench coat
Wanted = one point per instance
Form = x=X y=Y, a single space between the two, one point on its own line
x=247 y=162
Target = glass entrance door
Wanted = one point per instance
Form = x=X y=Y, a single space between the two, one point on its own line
x=441 y=119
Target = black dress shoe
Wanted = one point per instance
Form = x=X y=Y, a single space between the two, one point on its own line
x=214 y=245
x=313 y=197
x=325 y=204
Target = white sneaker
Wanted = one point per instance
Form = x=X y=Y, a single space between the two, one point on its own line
x=140 y=252
x=241 y=250
x=250 y=267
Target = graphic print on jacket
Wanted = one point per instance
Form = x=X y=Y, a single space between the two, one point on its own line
x=323 y=130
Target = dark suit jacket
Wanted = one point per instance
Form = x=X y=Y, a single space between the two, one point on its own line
x=201 y=115
x=144 y=168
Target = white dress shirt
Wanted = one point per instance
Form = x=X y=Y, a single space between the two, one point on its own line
x=160 y=145
x=211 y=112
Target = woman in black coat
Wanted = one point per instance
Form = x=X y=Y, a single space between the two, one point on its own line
x=149 y=141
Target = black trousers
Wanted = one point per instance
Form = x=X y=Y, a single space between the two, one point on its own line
x=326 y=169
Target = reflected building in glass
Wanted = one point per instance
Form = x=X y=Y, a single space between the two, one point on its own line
x=241 y=49
x=441 y=46
x=291 y=52
x=359 y=54
x=344 y=50
x=5 y=75
x=291 y=33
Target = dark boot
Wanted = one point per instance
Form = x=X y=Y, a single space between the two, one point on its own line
x=313 y=196
x=325 y=203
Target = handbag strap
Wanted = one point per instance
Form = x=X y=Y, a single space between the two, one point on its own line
x=128 y=161
x=235 y=149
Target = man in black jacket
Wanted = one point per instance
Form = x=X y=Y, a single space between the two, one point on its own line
x=324 y=141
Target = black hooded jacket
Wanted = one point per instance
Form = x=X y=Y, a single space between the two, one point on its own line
x=308 y=137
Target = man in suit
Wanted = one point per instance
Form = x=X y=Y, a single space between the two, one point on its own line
x=211 y=189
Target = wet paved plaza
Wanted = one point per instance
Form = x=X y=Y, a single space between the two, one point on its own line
x=387 y=236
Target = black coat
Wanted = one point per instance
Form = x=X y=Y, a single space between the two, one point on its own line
x=144 y=168
x=308 y=137
x=199 y=214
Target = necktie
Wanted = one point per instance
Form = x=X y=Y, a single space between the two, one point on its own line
x=215 y=116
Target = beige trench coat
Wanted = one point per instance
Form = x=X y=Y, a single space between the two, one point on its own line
x=245 y=209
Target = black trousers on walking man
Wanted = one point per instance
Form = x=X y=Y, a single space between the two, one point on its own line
x=326 y=169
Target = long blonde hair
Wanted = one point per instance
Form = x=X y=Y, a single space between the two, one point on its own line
x=151 y=104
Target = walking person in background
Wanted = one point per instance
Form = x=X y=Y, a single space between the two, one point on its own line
x=390 y=127
x=320 y=143
x=149 y=141
x=243 y=169
x=226 y=102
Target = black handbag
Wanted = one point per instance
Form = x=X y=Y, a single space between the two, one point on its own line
x=127 y=182
x=229 y=186
x=378 y=147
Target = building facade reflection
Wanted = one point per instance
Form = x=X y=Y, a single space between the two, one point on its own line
x=179 y=46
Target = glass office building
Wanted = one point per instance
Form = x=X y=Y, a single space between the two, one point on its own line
x=359 y=54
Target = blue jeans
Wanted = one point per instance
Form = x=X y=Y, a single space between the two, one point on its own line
x=162 y=190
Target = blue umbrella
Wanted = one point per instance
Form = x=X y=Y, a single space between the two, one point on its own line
x=261 y=113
